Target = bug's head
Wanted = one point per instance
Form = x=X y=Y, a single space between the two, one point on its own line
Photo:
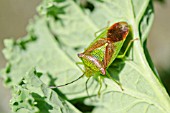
x=80 y=55
x=118 y=31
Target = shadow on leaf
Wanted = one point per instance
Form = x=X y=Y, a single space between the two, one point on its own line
x=43 y=106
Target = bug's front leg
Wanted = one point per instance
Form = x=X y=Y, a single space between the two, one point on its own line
x=80 y=63
x=105 y=28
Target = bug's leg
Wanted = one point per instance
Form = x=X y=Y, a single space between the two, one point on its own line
x=105 y=86
x=87 y=87
x=52 y=87
x=95 y=34
x=128 y=46
x=118 y=83
x=80 y=63
x=100 y=80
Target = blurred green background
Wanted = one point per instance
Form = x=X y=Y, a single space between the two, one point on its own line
x=15 y=15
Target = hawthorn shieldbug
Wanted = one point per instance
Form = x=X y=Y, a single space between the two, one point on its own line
x=98 y=56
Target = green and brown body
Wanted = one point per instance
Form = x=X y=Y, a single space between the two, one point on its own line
x=104 y=49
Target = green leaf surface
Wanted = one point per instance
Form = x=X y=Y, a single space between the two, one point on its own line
x=42 y=52
x=33 y=96
x=65 y=28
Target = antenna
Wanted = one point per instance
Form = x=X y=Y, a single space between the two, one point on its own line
x=52 y=87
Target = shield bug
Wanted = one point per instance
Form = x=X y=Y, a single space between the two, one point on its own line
x=104 y=49
x=98 y=56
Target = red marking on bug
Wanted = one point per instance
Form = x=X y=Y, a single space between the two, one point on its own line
x=118 y=31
